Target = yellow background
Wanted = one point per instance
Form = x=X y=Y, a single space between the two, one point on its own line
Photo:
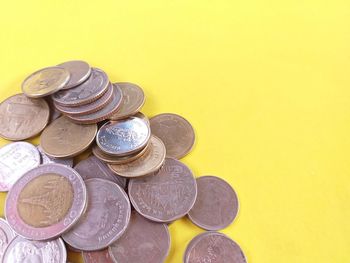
x=265 y=84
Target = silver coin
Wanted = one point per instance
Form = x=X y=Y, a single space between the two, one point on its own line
x=45 y=159
x=15 y=160
x=79 y=72
x=6 y=235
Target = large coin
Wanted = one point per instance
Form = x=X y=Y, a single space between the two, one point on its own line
x=79 y=72
x=213 y=247
x=64 y=139
x=216 y=205
x=46 y=202
x=45 y=159
x=106 y=218
x=176 y=133
x=144 y=241
x=101 y=256
x=15 y=160
x=167 y=195
x=6 y=235
x=22 y=118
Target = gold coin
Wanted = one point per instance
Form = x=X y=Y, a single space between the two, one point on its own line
x=63 y=138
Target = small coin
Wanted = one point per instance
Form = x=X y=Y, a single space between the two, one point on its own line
x=167 y=195
x=133 y=100
x=21 y=250
x=46 y=202
x=176 y=133
x=90 y=90
x=148 y=163
x=79 y=72
x=15 y=160
x=54 y=113
x=213 y=247
x=45 y=159
x=64 y=139
x=144 y=241
x=101 y=256
x=92 y=167
x=6 y=235
x=22 y=118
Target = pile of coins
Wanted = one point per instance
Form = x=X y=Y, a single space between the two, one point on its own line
x=116 y=204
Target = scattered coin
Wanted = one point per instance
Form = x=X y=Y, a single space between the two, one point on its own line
x=45 y=159
x=6 y=235
x=79 y=72
x=46 y=202
x=101 y=256
x=22 y=118
x=176 y=133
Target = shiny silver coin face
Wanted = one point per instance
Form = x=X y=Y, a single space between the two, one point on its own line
x=6 y=235
x=79 y=72
x=45 y=159
x=123 y=137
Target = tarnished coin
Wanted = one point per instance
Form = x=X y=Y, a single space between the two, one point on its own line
x=64 y=139
x=144 y=241
x=79 y=72
x=106 y=218
x=92 y=167
x=45 y=81
x=176 y=133
x=15 y=160
x=148 y=163
x=6 y=235
x=22 y=118
x=90 y=90
x=216 y=205
x=21 y=250
x=133 y=100
x=123 y=137
x=167 y=195
x=45 y=159
x=46 y=202
x=213 y=247
x=101 y=256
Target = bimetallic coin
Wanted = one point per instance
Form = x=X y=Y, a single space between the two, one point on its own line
x=213 y=247
x=46 y=202
x=45 y=159
x=101 y=256
x=216 y=205
x=79 y=72
x=64 y=139
x=167 y=195
x=45 y=81
x=144 y=241
x=106 y=218
x=22 y=118
x=21 y=250
x=176 y=133
x=6 y=235
x=15 y=160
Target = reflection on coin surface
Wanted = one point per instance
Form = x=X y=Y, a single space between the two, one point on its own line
x=45 y=159
x=101 y=256
x=144 y=241
x=22 y=118
x=6 y=235
x=176 y=133
x=167 y=195
x=79 y=72
x=216 y=205
x=46 y=202
x=63 y=138
x=133 y=100
x=92 y=167
x=148 y=163
x=21 y=250
x=15 y=160
x=105 y=220
x=213 y=247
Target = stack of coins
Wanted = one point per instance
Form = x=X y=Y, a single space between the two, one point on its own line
x=116 y=204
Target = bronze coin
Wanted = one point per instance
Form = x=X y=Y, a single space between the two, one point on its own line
x=101 y=256
x=79 y=72
x=22 y=118
x=63 y=138
x=176 y=133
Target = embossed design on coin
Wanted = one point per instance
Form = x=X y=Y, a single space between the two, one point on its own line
x=106 y=218
x=22 y=118
x=45 y=159
x=176 y=133
x=97 y=257
x=6 y=235
x=167 y=195
x=79 y=72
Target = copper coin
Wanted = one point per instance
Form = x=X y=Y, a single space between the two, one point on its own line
x=106 y=218
x=45 y=81
x=79 y=72
x=167 y=195
x=54 y=113
x=144 y=241
x=133 y=100
x=101 y=256
x=45 y=159
x=22 y=118
x=46 y=202
x=176 y=133
x=90 y=90
x=6 y=235
x=213 y=247
x=64 y=139
x=148 y=163
x=92 y=167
